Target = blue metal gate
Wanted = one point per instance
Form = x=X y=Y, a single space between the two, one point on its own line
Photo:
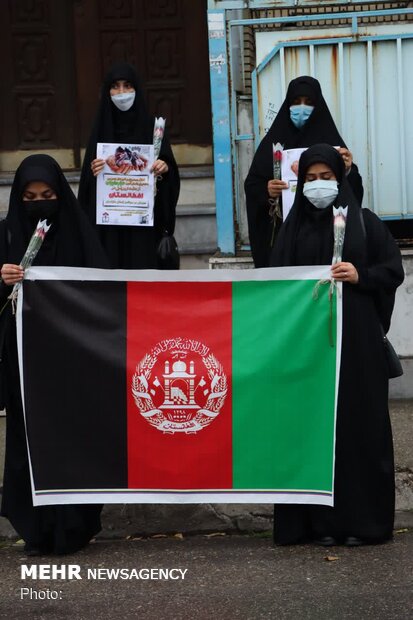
x=364 y=72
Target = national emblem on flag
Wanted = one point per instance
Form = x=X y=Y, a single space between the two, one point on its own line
x=177 y=405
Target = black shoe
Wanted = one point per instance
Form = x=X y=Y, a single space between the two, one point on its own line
x=32 y=551
x=353 y=541
x=325 y=541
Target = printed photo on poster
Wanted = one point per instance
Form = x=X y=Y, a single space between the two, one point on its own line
x=125 y=187
x=289 y=174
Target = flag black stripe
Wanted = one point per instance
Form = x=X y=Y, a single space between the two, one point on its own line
x=76 y=360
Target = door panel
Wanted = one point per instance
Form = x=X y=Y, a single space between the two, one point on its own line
x=39 y=107
x=166 y=40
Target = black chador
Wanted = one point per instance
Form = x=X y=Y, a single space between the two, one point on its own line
x=70 y=242
x=320 y=127
x=364 y=468
x=129 y=247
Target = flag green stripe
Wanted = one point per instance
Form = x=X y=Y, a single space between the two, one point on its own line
x=284 y=371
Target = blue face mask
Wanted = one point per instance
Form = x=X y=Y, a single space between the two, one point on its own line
x=300 y=114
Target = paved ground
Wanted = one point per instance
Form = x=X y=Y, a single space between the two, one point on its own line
x=228 y=577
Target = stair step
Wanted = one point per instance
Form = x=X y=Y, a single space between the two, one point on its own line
x=196 y=172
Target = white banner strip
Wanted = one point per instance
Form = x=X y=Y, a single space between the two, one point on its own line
x=190 y=275
x=190 y=497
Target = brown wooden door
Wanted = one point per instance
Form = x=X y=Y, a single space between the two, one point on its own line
x=167 y=42
x=38 y=84
x=55 y=53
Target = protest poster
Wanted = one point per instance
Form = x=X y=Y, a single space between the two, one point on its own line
x=125 y=187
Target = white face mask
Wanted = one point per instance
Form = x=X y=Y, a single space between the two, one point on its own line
x=123 y=101
x=321 y=193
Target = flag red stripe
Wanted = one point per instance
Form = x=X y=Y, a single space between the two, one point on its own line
x=177 y=379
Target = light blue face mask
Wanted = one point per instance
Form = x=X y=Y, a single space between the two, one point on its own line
x=321 y=193
x=300 y=114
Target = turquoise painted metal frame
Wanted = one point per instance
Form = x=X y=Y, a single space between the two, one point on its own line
x=220 y=92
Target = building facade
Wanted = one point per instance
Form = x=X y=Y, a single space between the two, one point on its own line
x=56 y=52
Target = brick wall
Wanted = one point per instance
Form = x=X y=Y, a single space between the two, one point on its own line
x=330 y=7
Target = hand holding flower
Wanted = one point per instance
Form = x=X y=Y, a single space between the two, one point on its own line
x=159 y=167
x=11 y=274
x=345 y=272
x=275 y=187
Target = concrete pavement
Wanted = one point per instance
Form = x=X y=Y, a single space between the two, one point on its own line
x=227 y=577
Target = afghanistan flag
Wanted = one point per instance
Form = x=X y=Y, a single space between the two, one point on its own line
x=192 y=386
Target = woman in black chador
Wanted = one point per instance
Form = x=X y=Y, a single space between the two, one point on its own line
x=122 y=118
x=371 y=271
x=303 y=120
x=39 y=191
